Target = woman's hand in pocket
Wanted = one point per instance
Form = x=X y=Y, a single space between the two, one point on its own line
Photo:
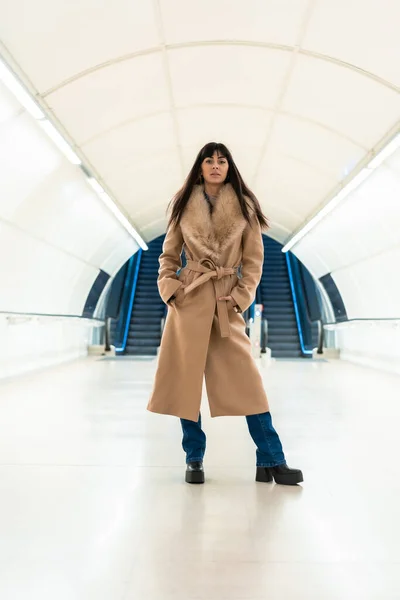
x=229 y=300
x=177 y=296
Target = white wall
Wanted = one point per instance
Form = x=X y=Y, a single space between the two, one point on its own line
x=55 y=236
x=359 y=244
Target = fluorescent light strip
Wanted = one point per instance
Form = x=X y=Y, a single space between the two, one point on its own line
x=60 y=141
x=387 y=151
x=24 y=97
x=21 y=94
x=116 y=212
x=95 y=185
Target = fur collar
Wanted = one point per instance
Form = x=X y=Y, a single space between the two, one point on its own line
x=213 y=233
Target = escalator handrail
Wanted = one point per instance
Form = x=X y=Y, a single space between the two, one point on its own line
x=318 y=322
x=11 y=314
x=131 y=300
x=124 y=299
x=296 y=307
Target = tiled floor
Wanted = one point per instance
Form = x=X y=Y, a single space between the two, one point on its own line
x=93 y=505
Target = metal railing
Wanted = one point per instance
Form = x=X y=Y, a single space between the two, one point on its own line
x=336 y=324
x=304 y=311
x=15 y=314
x=127 y=300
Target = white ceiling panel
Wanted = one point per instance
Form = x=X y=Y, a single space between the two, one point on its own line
x=291 y=182
x=137 y=141
x=163 y=177
x=278 y=213
x=154 y=229
x=232 y=125
x=110 y=96
x=151 y=213
x=271 y=21
x=364 y=34
x=342 y=99
x=241 y=129
x=323 y=149
x=229 y=75
x=53 y=41
x=278 y=232
x=243 y=73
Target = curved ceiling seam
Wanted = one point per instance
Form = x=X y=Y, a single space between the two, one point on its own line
x=283 y=90
x=328 y=175
x=362 y=163
x=319 y=170
x=168 y=79
x=223 y=105
x=199 y=44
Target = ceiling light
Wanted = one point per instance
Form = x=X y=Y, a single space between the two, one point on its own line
x=95 y=185
x=60 y=141
x=25 y=98
x=387 y=151
x=19 y=91
x=354 y=183
x=116 y=212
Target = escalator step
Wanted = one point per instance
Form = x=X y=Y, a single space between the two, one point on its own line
x=136 y=341
x=141 y=351
x=147 y=327
x=292 y=338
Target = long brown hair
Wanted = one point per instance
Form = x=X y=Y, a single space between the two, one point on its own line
x=181 y=198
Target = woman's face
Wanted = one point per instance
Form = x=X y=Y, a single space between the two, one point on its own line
x=215 y=169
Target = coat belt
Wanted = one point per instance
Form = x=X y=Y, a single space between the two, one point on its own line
x=210 y=270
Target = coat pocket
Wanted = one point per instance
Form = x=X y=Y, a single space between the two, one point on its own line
x=232 y=306
x=178 y=299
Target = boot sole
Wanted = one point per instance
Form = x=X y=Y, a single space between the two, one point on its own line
x=194 y=477
x=265 y=475
x=289 y=479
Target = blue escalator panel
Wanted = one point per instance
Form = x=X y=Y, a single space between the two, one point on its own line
x=277 y=299
x=148 y=309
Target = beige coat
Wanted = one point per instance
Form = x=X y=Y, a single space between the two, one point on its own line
x=204 y=336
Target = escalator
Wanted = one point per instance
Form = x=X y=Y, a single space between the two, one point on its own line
x=144 y=333
x=277 y=301
x=136 y=323
x=137 y=330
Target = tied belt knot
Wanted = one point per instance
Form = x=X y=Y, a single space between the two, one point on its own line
x=212 y=271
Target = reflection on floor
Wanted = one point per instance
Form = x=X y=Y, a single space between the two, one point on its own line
x=93 y=504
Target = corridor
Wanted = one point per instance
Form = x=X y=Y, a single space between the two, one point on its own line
x=93 y=503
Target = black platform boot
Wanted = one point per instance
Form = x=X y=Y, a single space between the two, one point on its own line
x=194 y=472
x=281 y=473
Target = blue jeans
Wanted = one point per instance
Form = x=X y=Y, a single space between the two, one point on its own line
x=269 y=448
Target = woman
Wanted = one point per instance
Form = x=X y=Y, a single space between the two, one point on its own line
x=217 y=221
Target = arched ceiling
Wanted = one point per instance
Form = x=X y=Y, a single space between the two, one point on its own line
x=300 y=90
